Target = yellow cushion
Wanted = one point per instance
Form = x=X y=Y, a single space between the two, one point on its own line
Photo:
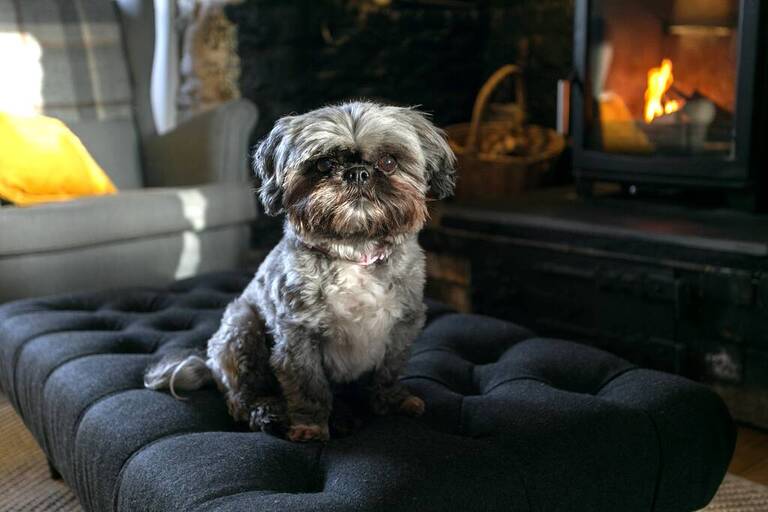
x=41 y=161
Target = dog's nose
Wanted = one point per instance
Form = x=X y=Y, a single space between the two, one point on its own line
x=357 y=175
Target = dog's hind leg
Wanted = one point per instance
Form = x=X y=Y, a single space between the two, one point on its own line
x=238 y=354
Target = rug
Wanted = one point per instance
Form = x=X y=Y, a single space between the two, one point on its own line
x=737 y=494
x=26 y=486
x=25 y=483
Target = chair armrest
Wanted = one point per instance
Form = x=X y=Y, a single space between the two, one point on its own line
x=210 y=147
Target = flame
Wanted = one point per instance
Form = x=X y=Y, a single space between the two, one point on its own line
x=659 y=81
x=671 y=106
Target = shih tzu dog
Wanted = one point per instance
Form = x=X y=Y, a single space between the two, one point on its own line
x=340 y=297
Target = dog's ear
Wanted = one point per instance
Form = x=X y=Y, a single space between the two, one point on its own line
x=439 y=159
x=269 y=160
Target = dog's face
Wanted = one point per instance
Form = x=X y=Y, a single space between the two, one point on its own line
x=354 y=171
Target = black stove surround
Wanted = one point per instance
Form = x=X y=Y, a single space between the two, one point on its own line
x=668 y=287
x=739 y=172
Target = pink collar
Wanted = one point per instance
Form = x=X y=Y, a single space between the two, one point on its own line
x=365 y=260
x=374 y=256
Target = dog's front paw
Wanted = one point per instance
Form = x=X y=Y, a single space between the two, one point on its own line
x=412 y=406
x=301 y=433
x=268 y=415
x=397 y=403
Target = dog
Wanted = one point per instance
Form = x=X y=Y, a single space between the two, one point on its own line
x=340 y=298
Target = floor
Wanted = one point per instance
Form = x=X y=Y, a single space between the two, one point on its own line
x=750 y=460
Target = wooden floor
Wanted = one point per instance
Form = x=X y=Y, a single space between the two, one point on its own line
x=751 y=457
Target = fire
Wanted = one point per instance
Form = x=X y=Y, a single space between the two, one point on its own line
x=671 y=106
x=659 y=81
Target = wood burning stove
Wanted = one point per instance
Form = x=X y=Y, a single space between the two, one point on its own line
x=670 y=94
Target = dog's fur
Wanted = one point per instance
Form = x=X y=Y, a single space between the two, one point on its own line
x=340 y=297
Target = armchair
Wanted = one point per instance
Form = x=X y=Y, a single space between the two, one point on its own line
x=185 y=204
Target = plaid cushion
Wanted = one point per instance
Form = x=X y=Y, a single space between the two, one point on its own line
x=78 y=45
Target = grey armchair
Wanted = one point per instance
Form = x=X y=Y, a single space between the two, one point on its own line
x=185 y=203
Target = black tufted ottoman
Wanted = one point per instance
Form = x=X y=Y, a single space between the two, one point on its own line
x=513 y=422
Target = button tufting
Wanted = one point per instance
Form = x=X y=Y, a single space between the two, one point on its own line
x=133 y=345
x=444 y=367
x=508 y=418
x=100 y=323
x=132 y=304
x=176 y=322
x=72 y=305
x=205 y=302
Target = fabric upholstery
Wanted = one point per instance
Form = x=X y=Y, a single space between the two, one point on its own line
x=84 y=71
x=137 y=18
x=128 y=215
x=513 y=421
x=83 y=79
x=115 y=146
x=172 y=160
x=142 y=261
x=137 y=238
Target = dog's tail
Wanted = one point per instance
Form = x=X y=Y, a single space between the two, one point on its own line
x=185 y=370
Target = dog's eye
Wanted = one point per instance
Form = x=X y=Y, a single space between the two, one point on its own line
x=386 y=163
x=326 y=165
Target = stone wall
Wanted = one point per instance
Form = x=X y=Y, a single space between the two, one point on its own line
x=539 y=35
x=297 y=55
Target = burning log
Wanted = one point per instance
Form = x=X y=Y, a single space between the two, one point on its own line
x=684 y=129
x=671 y=120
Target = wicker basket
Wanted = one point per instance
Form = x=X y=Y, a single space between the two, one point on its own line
x=484 y=176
